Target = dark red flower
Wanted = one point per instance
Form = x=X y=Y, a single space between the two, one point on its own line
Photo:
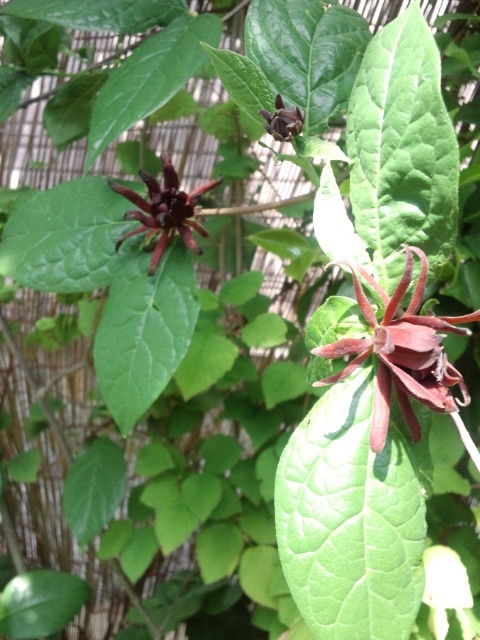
x=167 y=211
x=284 y=124
x=408 y=349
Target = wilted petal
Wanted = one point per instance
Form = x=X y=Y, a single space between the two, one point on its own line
x=188 y=239
x=170 y=178
x=381 y=408
x=343 y=347
x=350 y=368
x=436 y=322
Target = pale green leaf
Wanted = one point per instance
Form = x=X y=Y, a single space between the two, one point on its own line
x=257 y=570
x=403 y=183
x=283 y=381
x=284 y=243
x=315 y=147
x=144 y=333
x=25 y=466
x=147 y=79
x=349 y=522
x=139 y=552
x=446 y=579
x=114 y=539
x=152 y=459
x=39 y=603
x=208 y=358
x=201 y=492
x=122 y=16
x=63 y=239
x=218 y=550
x=94 y=487
x=181 y=105
x=266 y=330
x=309 y=54
x=242 y=288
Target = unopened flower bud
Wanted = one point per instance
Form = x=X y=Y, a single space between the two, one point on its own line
x=284 y=124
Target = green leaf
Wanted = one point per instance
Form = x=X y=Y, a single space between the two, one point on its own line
x=87 y=313
x=239 y=290
x=404 y=177
x=67 y=115
x=201 y=492
x=94 y=488
x=12 y=84
x=309 y=55
x=220 y=453
x=227 y=122
x=243 y=477
x=144 y=333
x=265 y=470
x=257 y=570
x=121 y=16
x=208 y=358
x=358 y=534
x=114 y=539
x=218 y=550
x=139 y=552
x=25 y=466
x=152 y=459
x=446 y=579
x=63 y=239
x=283 y=381
x=258 y=524
x=284 y=243
x=39 y=603
x=244 y=80
x=266 y=330
x=315 y=147
x=148 y=78
x=229 y=505
x=129 y=155
x=181 y=105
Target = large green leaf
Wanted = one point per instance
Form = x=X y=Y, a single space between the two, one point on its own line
x=144 y=333
x=401 y=141
x=12 y=84
x=122 y=16
x=39 y=603
x=309 y=55
x=350 y=524
x=153 y=74
x=245 y=82
x=63 y=239
x=94 y=488
x=67 y=114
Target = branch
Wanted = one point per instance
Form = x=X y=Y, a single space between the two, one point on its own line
x=11 y=539
x=235 y=10
x=255 y=208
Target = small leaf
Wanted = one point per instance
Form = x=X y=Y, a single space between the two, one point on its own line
x=148 y=78
x=132 y=157
x=257 y=569
x=258 y=524
x=12 y=84
x=144 y=333
x=266 y=330
x=201 y=492
x=315 y=147
x=25 y=466
x=139 y=552
x=152 y=459
x=245 y=82
x=67 y=114
x=218 y=550
x=63 y=240
x=283 y=381
x=114 y=539
x=285 y=243
x=120 y=16
x=208 y=358
x=239 y=290
x=181 y=105
x=446 y=579
x=265 y=470
x=243 y=477
x=39 y=603
x=220 y=453
x=230 y=504
x=94 y=488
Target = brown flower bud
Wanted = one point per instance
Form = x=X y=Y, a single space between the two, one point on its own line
x=284 y=124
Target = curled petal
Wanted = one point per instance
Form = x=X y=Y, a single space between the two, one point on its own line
x=152 y=185
x=203 y=188
x=137 y=200
x=417 y=296
x=408 y=413
x=279 y=102
x=198 y=227
x=381 y=408
x=121 y=240
x=439 y=323
x=159 y=251
x=414 y=360
x=452 y=377
x=374 y=284
x=344 y=347
x=469 y=317
x=362 y=300
x=350 y=368
x=188 y=239
x=382 y=340
x=401 y=289
x=170 y=178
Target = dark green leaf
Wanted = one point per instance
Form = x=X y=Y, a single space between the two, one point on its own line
x=39 y=603
x=144 y=333
x=220 y=453
x=114 y=539
x=25 y=466
x=149 y=78
x=122 y=16
x=67 y=114
x=132 y=157
x=201 y=493
x=94 y=488
x=368 y=549
x=63 y=240
x=401 y=141
x=218 y=550
x=12 y=84
x=309 y=55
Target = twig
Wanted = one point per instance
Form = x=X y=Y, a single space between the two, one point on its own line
x=235 y=9
x=466 y=438
x=11 y=539
x=254 y=208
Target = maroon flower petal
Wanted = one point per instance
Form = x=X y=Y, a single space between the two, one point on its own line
x=137 y=200
x=279 y=102
x=152 y=185
x=170 y=178
x=417 y=296
x=452 y=377
x=401 y=289
x=362 y=300
x=120 y=241
x=189 y=240
x=159 y=251
x=469 y=317
x=417 y=338
x=381 y=408
x=198 y=227
x=439 y=323
x=350 y=368
x=374 y=284
x=343 y=347
x=203 y=188
x=408 y=413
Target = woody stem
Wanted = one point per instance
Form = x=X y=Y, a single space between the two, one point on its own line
x=466 y=439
